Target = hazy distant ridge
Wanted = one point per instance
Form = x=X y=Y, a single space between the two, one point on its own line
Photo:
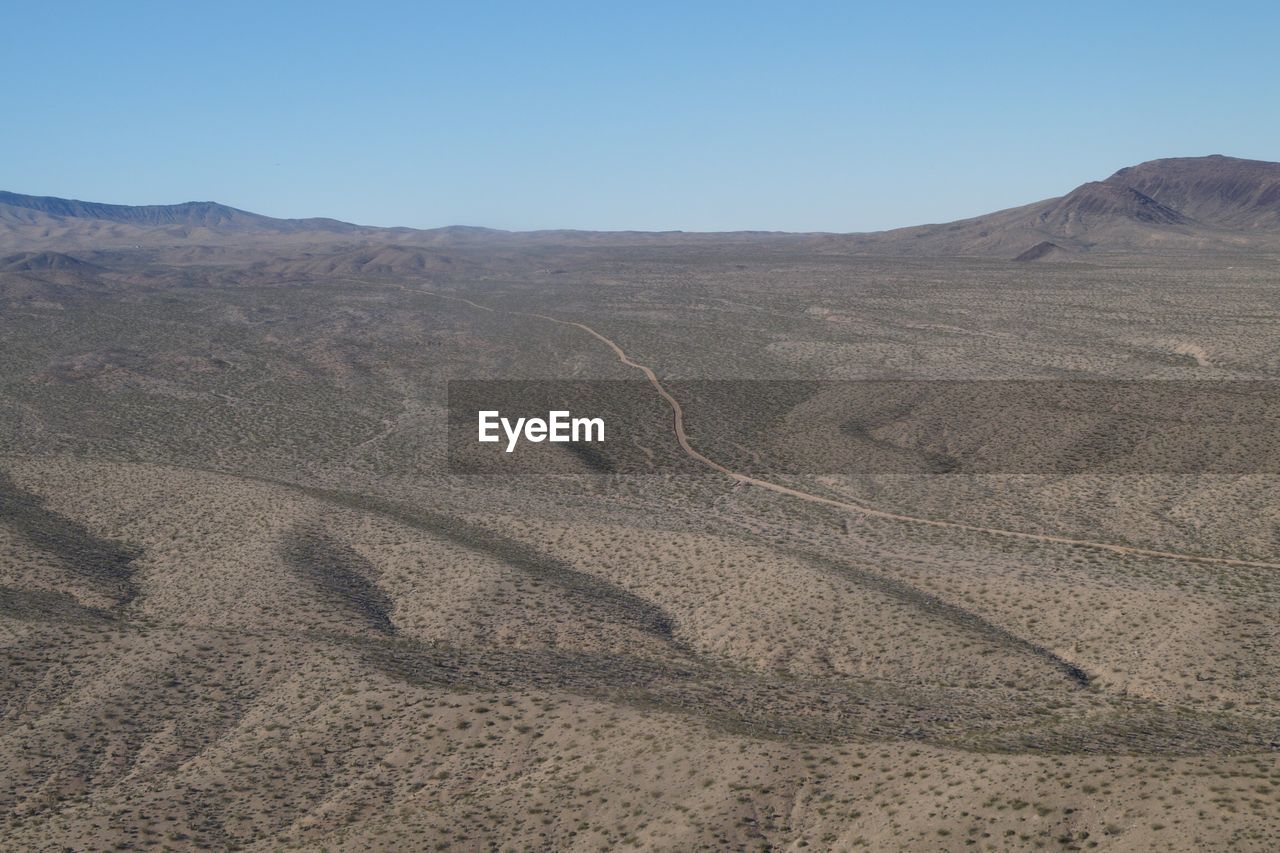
x=1186 y=203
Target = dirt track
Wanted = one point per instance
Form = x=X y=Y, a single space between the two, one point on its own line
x=854 y=506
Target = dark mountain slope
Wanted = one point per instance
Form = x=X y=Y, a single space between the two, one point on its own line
x=1221 y=191
x=40 y=261
x=1191 y=203
x=1044 y=251
x=191 y=214
x=1097 y=203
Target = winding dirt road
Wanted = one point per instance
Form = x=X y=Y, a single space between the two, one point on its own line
x=848 y=505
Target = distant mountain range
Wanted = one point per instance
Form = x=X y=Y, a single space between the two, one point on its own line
x=1179 y=203
x=1190 y=203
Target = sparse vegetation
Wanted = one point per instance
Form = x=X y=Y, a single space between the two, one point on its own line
x=243 y=602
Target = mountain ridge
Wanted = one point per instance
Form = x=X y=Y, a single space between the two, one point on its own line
x=1181 y=203
x=189 y=213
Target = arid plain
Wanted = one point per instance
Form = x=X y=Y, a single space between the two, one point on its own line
x=245 y=604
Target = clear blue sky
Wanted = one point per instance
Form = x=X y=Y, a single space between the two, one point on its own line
x=708 y=116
